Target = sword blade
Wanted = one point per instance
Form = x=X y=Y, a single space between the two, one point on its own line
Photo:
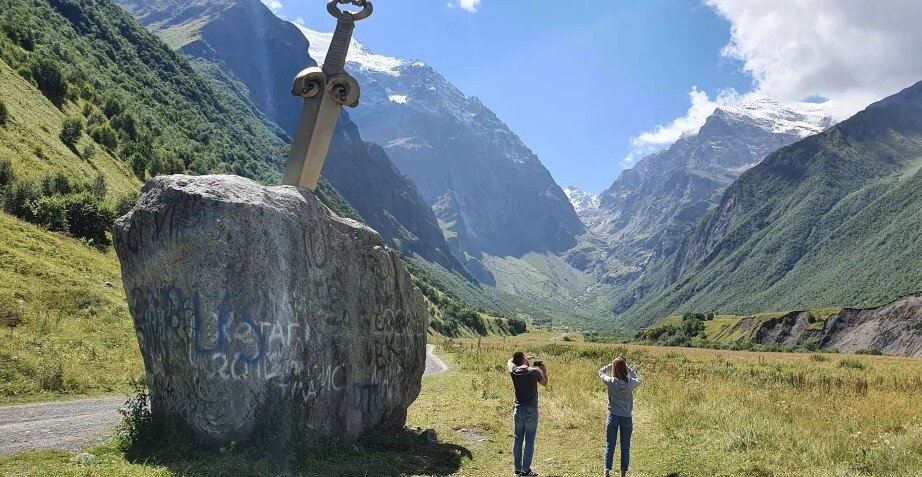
x=312 y=141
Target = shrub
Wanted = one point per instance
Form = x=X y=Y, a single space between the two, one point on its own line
x=21 y=35
x=99 y=186
x=105 y=136
x=113 y=107
x=89 y=219
x=19 y=197
x=870 y=352
x=6 y=172
x=87 y=92
x=517 y=326
x=94 y=118
x=849 y=363
x=126 y=124
x=51 y=376
x=139 y=165
x=166 y=162
x=59 y=184
x=125 y=203
x=137 y=422
x=89 y=152
x=71 y=131
x=51 y=213
x=818 y=358
x=4 y=114
x=49 y=78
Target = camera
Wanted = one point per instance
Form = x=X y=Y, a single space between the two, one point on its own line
x=537 y=363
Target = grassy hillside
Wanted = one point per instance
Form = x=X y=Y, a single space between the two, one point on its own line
x=65 y=323
x=699 y=413
x=30 y=139
x=830 y=221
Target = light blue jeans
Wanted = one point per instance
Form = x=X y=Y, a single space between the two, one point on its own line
x=526 y=425
x=618 y=425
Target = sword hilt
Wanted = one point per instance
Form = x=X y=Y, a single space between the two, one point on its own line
x=335 y=62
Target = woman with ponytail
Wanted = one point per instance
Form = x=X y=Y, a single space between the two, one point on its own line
x=621 y=382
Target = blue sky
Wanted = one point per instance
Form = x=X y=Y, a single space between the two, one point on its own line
x=578 y=80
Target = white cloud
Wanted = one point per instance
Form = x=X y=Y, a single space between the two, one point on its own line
x=662 y=137
x=853 y=52
x=274 y=5
x=469 y=5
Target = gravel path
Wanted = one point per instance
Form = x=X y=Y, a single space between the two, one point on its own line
x=434 y=365
x=73 y=425
x=68 y=425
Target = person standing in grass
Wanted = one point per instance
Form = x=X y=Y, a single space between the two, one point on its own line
x=525 y=381
x=621 y=382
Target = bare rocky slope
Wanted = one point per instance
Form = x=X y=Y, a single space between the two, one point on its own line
x=893 y=329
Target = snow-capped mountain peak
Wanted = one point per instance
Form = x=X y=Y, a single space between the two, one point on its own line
x=801 y=119
x=358 y=54
x=582 y=201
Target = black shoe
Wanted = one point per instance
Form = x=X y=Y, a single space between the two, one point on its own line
x=530 y=473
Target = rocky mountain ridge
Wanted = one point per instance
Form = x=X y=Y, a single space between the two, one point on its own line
x=642 y=217
x=831 y=220
x=490 y=192
x=893 y=329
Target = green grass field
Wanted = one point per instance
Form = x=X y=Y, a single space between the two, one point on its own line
x=699 y=413
x=68 y=331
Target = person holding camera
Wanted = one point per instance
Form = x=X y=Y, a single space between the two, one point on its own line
x=525 y=381
x=621 y=382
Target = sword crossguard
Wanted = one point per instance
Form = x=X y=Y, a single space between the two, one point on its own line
x=343 y=88
x=309 y=83
x=367 y=9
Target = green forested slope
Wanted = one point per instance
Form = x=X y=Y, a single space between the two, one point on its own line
x=167 y=116
x=30 y=140
x=833 y=220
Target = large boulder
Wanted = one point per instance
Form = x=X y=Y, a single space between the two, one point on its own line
x=262 y=315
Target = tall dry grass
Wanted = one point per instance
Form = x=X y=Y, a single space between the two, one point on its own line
x=698 y=413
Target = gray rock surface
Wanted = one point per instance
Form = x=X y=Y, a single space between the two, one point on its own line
x=893 y=329
x=263 y=316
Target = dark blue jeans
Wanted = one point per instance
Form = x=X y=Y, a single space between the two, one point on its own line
x=526 y=425
x=618 y=425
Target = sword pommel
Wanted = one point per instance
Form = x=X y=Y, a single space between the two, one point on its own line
x=367 y=9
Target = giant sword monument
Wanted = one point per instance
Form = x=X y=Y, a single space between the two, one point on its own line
x=261 y=315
